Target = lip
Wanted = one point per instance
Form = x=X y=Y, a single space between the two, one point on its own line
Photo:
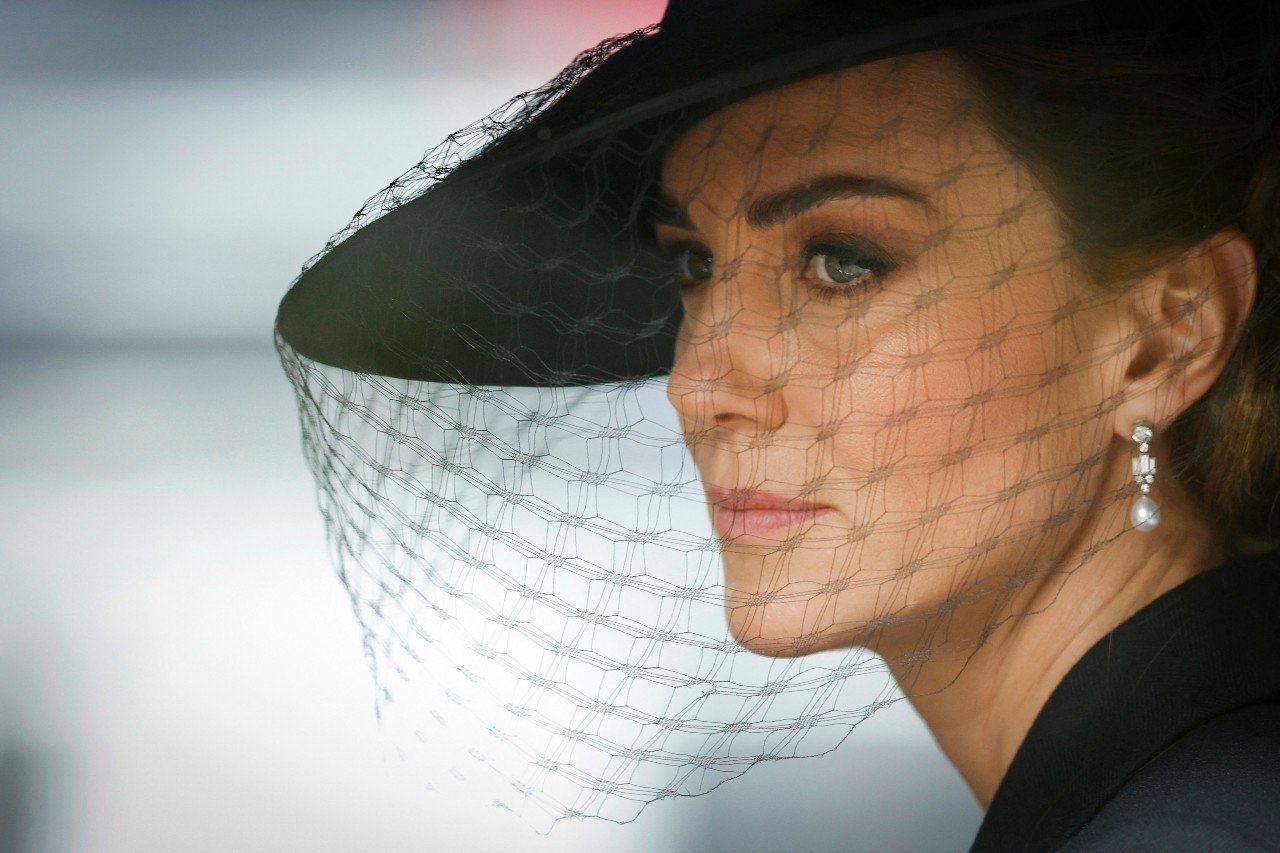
x=752 y=512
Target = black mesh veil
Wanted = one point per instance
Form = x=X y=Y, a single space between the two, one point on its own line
x=686 y=411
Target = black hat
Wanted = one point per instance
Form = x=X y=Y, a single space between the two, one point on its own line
x=529 y=263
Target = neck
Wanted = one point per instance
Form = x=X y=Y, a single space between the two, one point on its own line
x=980 y=704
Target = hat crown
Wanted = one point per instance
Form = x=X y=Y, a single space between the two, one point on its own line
x=690 y=14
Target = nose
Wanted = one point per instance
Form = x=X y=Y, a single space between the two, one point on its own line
x=730 y=358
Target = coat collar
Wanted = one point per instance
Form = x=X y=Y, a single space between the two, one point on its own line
x=1205 y=647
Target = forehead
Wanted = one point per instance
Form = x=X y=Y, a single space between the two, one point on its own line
x=910 y=119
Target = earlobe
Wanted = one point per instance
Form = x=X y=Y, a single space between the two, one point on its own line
x=1190 y=314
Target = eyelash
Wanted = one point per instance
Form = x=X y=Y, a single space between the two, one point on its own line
x=866 y=255
x=678 y=254
x=860 y=252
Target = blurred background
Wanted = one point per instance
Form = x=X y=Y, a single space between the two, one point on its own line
x=179 y=666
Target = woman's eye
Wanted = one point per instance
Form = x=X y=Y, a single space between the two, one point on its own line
x=837 y=268
x=693 y=264
x=834 y=267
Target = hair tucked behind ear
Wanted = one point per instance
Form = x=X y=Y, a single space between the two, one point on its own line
x=1149 y=146
x=1229 y=441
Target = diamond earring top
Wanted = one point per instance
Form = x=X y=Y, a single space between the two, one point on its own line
x=1145 y=513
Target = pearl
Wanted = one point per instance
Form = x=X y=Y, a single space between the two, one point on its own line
x=1145 y=514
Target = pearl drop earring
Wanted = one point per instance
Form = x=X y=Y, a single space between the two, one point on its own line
x=1145 y=513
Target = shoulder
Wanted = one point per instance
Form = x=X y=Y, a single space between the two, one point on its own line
x=1217 y=787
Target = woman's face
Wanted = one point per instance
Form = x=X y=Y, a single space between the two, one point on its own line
x=893 y=380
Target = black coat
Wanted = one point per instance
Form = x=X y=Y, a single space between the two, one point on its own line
x=1165 y=736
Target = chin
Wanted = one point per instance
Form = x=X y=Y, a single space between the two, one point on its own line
x=786 y=645
x=813 y=611
x=777 y=629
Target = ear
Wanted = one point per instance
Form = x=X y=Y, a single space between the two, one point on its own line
x=1188 y=317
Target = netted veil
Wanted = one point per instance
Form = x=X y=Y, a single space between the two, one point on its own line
x=516 y=483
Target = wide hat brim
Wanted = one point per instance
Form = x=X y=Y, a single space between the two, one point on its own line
x=529 y=264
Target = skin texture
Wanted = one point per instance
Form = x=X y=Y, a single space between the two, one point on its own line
x=957 y=415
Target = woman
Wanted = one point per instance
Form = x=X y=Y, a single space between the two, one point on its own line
x=973 y=349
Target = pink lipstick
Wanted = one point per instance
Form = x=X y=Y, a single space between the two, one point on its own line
x=750 y=512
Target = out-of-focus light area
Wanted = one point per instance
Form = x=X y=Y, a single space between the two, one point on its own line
x=179 y=666
x=166 y=167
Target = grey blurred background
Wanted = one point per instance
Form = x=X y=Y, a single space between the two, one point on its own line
x=179 y=667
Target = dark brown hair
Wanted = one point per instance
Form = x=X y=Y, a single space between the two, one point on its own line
x=1150 y=140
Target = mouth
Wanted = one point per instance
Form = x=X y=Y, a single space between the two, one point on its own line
x=751 y=512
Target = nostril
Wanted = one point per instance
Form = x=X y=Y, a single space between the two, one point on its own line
x=735 y=422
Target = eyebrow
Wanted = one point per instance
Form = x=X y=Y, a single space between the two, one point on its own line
x=780 y=205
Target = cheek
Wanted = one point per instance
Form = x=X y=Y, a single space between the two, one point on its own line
x=970 y=396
